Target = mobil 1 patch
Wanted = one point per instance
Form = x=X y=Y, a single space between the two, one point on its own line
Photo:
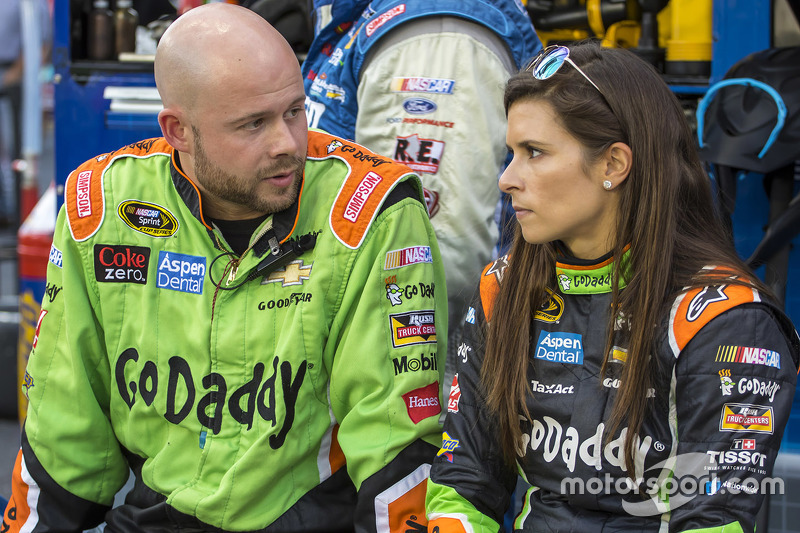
x=181 y=272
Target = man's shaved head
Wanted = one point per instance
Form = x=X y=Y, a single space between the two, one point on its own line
x=211 y=45
x=233 y=109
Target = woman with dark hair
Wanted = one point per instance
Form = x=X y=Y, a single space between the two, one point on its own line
x=622 y=358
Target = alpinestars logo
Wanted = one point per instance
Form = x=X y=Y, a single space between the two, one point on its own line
x=704 y=298
x=498 y=268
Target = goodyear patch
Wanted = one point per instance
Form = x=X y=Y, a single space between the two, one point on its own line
x=746 y=417
x=147 y=218
x=416 y=327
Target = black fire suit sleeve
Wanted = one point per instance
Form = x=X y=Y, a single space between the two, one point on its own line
x=732 y=392
x=470 y=461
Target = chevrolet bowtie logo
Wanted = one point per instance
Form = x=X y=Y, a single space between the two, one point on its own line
x=292 y=274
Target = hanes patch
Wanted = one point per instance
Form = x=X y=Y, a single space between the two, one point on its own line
x=423 y=402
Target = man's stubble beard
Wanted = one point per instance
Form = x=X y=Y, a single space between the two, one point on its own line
x=225 y=186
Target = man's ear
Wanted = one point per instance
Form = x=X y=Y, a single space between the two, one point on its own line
x=617 y=163
x=175 y=129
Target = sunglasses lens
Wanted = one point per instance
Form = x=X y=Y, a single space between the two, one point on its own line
x=550 y=62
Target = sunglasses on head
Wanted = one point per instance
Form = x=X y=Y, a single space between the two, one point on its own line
x=550 y=59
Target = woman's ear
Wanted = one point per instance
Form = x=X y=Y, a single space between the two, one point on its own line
x=617 y=163
x=174 y=129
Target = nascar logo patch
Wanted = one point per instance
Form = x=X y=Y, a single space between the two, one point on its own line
x=407 y=256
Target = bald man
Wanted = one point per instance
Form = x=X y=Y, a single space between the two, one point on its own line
x=256 y=317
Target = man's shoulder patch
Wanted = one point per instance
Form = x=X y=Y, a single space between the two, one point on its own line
x=369 y=181
x=84 y=198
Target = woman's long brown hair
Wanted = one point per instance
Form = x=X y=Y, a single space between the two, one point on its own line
x=666 y=214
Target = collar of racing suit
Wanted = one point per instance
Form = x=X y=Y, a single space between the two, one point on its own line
x=325 y=12
x=579 y=276
x=283 y=222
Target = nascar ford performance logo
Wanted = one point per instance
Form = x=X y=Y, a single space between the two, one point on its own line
x=181 y=272
x=560 y=347
x=419 y=106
